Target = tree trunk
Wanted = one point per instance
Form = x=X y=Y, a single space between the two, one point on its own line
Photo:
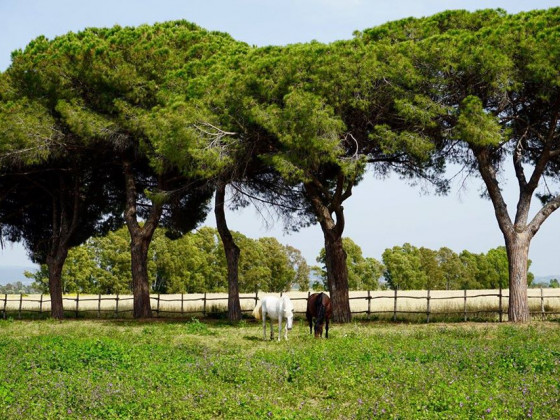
x=517 y=233
x=140 y=239
x=232 y=255
x=324 y=205
x=55 y=263
x=140 y=281
x=517 y=246
x=65 y=216
x=337 y=277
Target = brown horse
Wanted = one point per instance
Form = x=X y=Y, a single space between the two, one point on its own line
x=319 y=307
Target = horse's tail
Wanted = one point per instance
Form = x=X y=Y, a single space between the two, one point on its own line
x=320 y=309
x=257 y=312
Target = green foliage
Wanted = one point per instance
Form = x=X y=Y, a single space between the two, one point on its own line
x=481 y=129
x=499 y=268
x=27 y=132
x=282 y=274
x=404 y=268
x=452 y=268
x=198 y=328
x=189 y=264
x=84 y=122
x=101 y=265
x=308 y=132
x=253 y=274
x=185 y=136
x=392 y=142
x=300 y=265
x=198 y=370
x=438 y=24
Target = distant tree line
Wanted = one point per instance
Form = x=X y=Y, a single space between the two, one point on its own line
x=409 y=267
x=18 y=287
x=552 y=283
x=194 y=263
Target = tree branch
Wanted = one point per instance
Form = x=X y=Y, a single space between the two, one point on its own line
x=543 y=214
x=488 y=174
x=518 y=163
x=321 y=189
x=75 y=216
x=255 y=198
x=130 y=210
x=547 y=151
x=154 y=216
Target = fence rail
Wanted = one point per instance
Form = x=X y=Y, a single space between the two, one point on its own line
x=426 y=303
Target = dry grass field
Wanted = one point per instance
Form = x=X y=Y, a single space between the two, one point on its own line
x=374 y=303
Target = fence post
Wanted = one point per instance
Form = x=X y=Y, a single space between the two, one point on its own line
x=157 y=307
x=465 y=304
x=182 y=304
x=542 y=304
x=99 y=306
x=500 y=304
x=77 y=303
x=204 y=305
x=41 y=304
x=256 y=296
x=395 y=306
x=20 y=304
x=428 y=307
x=117 y=306
x=5 y=303
x=368 y=304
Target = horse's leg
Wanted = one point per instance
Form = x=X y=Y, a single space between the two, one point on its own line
x=309 y=321
x=264 y=324
x=271 y=329
x=279 y=327
x=327 y=328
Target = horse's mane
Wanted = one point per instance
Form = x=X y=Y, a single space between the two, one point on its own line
x=287 y=303
x=320 y=309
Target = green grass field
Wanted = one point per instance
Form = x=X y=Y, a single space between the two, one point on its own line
x=172 y=370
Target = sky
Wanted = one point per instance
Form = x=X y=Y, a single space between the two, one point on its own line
x=381 y=213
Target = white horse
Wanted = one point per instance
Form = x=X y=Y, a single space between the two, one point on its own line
x=276 y=308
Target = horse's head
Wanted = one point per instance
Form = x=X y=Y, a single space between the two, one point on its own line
x=319 y=305
x=318 y=330
x=288 y=312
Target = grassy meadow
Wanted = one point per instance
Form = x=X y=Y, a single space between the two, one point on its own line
x=209 y=369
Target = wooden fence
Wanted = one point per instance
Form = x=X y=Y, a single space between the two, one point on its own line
x=389 y=304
